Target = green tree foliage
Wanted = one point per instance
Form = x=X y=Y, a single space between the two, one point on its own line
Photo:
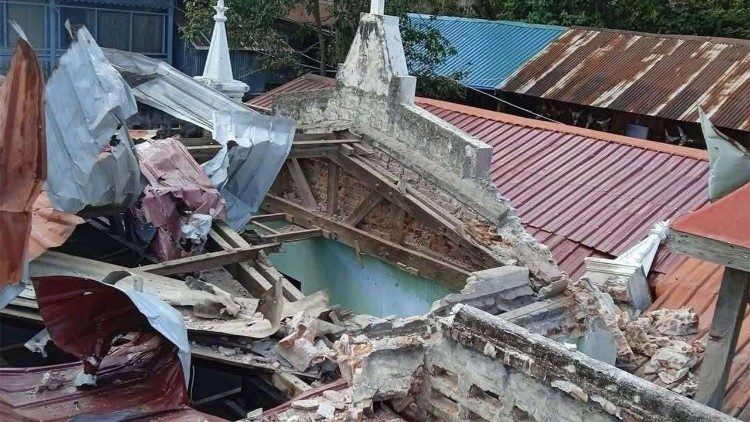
x=722 y=18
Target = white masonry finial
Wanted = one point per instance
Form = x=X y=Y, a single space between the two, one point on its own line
x=377 y=7
x=218 y=69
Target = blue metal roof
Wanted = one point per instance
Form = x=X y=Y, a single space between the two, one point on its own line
x=489 y=51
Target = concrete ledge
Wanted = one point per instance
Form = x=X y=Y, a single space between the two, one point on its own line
x=585 y=379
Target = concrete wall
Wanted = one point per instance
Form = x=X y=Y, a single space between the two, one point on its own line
x=374 y=287
x=484 y=368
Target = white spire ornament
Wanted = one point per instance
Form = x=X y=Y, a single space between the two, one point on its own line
x=218 y=70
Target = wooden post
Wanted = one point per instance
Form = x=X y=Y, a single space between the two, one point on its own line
x=333 y=188
x=722 y=339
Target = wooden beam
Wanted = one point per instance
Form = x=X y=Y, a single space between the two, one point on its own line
x=332 y=196
x=293 y=236
x=722 y=339
x=365 y=207
x=711 y=250
x=269 y=217
x=234 y=240
x=322 y=142
x=312 y=152
x=300 y=182
x=313 y=136
x=414 y=206
x=397 y=229
x=448 y=274
x=206 y=260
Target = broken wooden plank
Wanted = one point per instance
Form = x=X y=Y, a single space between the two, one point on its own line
x=332 y=190
x=722 y=339
x=206 y=260
x=446 y=273
x=300 y=182
x=365 y=207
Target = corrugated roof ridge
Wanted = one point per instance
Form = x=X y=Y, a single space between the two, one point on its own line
x=705 y=38
x=427 y=16
x=573 y=130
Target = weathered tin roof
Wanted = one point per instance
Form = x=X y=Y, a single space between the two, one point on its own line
x=488 y=50
x=667 y=76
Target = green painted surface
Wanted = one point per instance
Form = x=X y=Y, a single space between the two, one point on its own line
x=375 y=288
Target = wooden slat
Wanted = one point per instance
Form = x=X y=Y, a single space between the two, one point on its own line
x=365 y=207
x=312 y=152
x=450 y=275
x=269 y=217
x=397 y=229
x=205 y=261
x=313 y=136
x=722 y=339
x=301 y=185
x=332 y=196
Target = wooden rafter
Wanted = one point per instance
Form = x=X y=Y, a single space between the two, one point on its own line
x=426 y=265
x=207 y=260
x=365 y=207
x=300 y=183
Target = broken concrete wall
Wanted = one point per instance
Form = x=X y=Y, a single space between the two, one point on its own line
x=485 y=368
x=374 y=97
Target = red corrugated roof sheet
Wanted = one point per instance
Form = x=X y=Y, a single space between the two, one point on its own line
x=579 y=191
x=726 y=220
x=666 y=75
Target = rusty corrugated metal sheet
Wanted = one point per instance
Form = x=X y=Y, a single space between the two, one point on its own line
x=305 y=83
x=726 y=220
x=49 y=227
x=667 y=76
x=23 y=157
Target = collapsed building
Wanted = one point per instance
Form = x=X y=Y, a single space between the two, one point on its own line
x=345 y=258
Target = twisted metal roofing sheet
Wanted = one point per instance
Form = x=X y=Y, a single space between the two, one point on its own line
x=667 y=76
x=488 y=50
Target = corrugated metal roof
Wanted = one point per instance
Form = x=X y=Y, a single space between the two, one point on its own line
x=695 y=283
x=580 y=192
x=488 y=50
x=601 y=190
x=667 y=76
x=726 y=220
x=308 y=82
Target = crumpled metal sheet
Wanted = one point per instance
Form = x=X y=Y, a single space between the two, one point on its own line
x=244 y=172
x=49 y=227
x=144 y=376
x=83 y=317
x=22 y=158
x=91 y=159
x=729 y=161
x=179 y=200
